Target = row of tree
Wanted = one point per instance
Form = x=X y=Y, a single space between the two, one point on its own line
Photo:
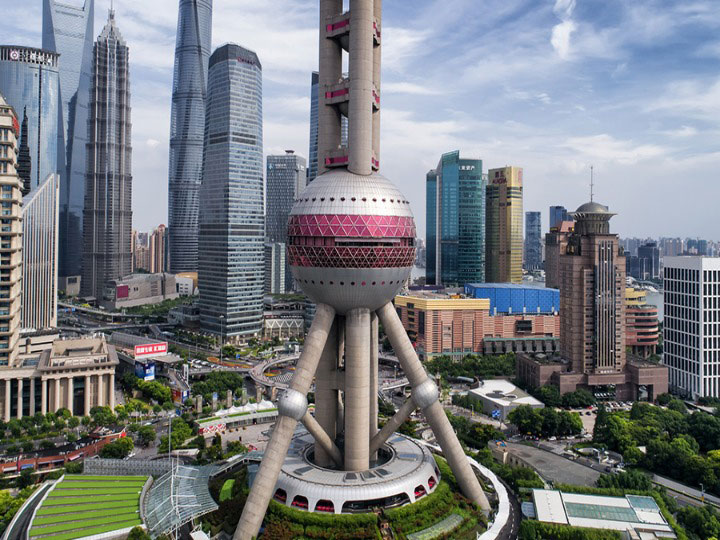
x=545 y=422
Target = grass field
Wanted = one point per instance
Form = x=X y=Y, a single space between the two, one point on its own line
x=86 y=505
x=226 y=491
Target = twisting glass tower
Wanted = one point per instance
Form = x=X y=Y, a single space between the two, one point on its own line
x=351 y=247
x=187 y=131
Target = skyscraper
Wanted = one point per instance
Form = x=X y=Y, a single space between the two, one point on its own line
x=558 y=214
x=533 y=241
x=29 y=81
x=503 y=229
x=108 y=197
x=158 y=247
x=649 y=253
x=10 y=235
x=232 y=221
x=312 y=167
x=40 y=214
x=690 y=331
x=286 y=178
x=24 y=168
x=275 y=267
x=187 y=131
x=68 y=31
x=455 y=227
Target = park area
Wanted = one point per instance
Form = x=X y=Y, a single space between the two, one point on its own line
x=81 y=506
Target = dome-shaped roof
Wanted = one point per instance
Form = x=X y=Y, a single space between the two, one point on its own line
x=592 y=207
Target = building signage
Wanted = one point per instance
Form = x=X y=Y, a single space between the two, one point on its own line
x=151 y=349
x=146 y=372
x=467 y=167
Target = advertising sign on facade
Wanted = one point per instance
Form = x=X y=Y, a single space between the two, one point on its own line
x=151 y=349
x=146 y=372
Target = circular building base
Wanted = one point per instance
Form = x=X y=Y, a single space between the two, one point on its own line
x=405 y=473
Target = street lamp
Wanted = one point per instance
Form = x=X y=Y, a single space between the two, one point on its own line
x=222 y=343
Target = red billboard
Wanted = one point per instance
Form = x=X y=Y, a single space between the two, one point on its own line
x=122 y=291
x=151 y=349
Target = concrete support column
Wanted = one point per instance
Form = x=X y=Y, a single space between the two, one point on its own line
x=112 y=390
x=32 y=397
x=340 y=406
x=326 y=397
x=322 y=440
x=329 y=118
x=392 y=425
x=44 y=397
x=357 y=390
x=264 y=484
x=361 y=59
x=8 y=391
x=434 y=412
x=374 y=369
x=70 y=394
x=19 y=412
x=101 y=390
x=377 y=55
x=56 y=397
x=88 y=403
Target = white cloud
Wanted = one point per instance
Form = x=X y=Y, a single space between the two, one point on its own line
x=411 y=88
x=605 y=148
x=564 y=8
x=560 y=39
x=152 y=143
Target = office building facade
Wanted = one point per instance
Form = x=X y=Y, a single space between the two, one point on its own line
x=157 y=250
x=691 y=325
x=29 y=81
x=455 y=226
x=641 y=324
x=108 y=195
x=593 y=319
x=275 y=268
x=68 y=31
x=232 y=220
x=555 y=244
x=10 y=235
x=533 y=241
x=312 y=166
x=286 y=178
x=558 y=214
x=504 y=223
x=40 y=215
x=187 y=131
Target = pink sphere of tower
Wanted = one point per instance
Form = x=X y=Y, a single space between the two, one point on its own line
x=351 y=240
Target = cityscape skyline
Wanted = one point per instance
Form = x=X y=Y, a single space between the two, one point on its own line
x=666 y=132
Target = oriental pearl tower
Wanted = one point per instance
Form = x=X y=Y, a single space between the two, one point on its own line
x=351 y=248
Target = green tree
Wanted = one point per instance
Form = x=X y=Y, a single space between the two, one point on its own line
x=550 y=395
x=146 y=435
x=526 y=419
x=117 y=449
x=138 y=533
x=25 y=479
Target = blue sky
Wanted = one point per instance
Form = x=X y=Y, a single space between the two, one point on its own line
x=553 y=86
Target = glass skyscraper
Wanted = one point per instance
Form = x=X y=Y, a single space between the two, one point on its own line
x=68 y=30
x=231 y=259
x=286 y=178
x=312 y=166
x=455 y=226
x=504 y=225
x=29 y=82
x=187 y=128
x=533 y=241
x=558 y=214
x=108 y=196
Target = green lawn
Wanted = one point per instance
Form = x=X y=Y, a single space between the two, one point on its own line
x=82 y=506
x=226 y=491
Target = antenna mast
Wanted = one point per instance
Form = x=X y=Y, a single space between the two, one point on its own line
x=592 y=183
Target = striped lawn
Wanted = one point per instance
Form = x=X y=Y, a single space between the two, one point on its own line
x=97 y=499
x=92 y=530
x=72 y=525
x=82 y=506
x=72 y=508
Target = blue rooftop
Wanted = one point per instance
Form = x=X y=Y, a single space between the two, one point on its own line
x=516 y=298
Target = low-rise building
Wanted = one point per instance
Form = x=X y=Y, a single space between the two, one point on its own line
x=641 y=324
x=497 y=397
x=138 y=290
x=637 y=516
x=283 y=318
x=186 y=283
x=439 y=324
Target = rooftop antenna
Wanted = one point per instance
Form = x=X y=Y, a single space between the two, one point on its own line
x=592 y=183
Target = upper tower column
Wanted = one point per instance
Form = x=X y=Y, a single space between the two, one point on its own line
x=356 y=96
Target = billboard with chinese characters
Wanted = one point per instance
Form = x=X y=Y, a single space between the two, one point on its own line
x=151 y=349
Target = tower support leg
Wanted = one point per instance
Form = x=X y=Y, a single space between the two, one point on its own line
x=374 y=368
x=425 y=395
x=357 y=390
x=291 y=407
x=326 y=397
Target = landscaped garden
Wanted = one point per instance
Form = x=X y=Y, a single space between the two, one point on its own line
x=81 y=506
